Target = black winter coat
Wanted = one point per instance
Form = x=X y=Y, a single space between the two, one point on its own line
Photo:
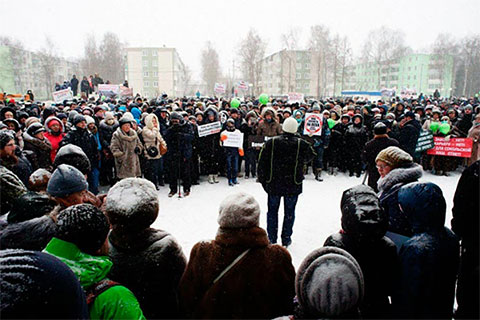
x=150 y=263
x=32 y=234
x=280 y=164
x=86 y=141
x=372 y=148
x=356 y=137
x=84 y=86
x=41 y=150
x=408 y=136
x=179 y=141
x=429 y=260
x=74 y=83
x=463 y=125
x=105 y=133
x=364 y=225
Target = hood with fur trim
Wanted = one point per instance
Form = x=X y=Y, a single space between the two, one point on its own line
x=404 y=175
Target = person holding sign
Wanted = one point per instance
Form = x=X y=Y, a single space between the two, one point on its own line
x=280 y=170
x=232 y=152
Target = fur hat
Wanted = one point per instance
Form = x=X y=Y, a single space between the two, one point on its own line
x=35 y=128
x=290 y=125
x=66 y=180
x=239 y=210
x=5 y=137
x=394 y=157
x=380 y=128
x=30 y=205
x=329 y=283
x=83 y=225
x=79 y=118
x=132 y=204
x=72 y=155
x=38 y=180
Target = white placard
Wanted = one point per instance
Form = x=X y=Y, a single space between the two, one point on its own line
x=220 y=88
x=313 y=124
x=209 y=128
x=108 y=90
x=295 y=97
x=234 y=139
x=62 y=95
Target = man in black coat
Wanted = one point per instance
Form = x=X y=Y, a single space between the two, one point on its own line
x=85 y=86
x=74 y=85
x=379 y=142
x=410 y=130
x=465 y=224
x=280 y=170
x=179 y=139
x=364 y=225
x=80 y=136
x=148 y=261
x=464 y=124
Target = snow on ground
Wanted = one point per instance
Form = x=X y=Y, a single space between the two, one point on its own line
x=317 y=214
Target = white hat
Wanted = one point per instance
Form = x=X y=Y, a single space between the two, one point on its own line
x=290 y=125
x=239 y=210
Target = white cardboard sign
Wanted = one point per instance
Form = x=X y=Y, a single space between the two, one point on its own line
x=313 y=124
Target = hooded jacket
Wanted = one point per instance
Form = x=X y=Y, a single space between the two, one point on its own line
x=41 y=149
x=408 y=136
x=86 y=141
x=54 y=139
x=429 y=260
x=152 y=137
x=364 y=224
x=116 y=302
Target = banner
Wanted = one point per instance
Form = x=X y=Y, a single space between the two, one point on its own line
x=424 y=142
x=126 y=92
x=234 y=139
x=295 y=97
x=313 y=124
x=108 y=90
x=455 y=147
x=220 y=88
x=242 y=85
x=209 y=128
x=62 y=95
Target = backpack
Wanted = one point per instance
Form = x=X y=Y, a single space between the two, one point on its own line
x=97 y=289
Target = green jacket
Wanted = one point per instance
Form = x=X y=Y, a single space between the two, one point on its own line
x=115 y=303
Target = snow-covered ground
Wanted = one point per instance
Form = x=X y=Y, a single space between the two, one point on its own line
x=318 y=213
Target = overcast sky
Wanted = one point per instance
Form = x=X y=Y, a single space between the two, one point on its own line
x=188 y=24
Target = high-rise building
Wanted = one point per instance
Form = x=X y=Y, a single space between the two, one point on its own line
x=154 y=71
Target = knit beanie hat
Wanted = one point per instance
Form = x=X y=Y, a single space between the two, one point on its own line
x=83 y=225
x=89 y=120
x=79 y=118
x=239 y=210
x=380 y=128
x=132 y=204
x=37 y=285
x=35 y=128
x=290 y=125
x=394 y=157
x=329 y=283
x=30 y=205
x=109 y=115
x=38 y=180
x=126 y=118
x=66 y=180
x=5 y=137
x=72 y=155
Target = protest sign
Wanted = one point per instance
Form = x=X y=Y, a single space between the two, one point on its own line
x=219 y=88
x=126 y=92
x=62 y=95
x=234 y=139
x=454 y=147
x=313 y=124
x=424 y=142
x=256 y=141
x=209 y=128
x=295 y=97
x=242 y=85
x=108 y=90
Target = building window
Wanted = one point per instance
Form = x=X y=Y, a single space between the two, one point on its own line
x=299 y=66
x=146 y=84
x=306 y=76
x=299 y=85
x=307 y=66
x=145 y=53
x=154 y=53
x=306 y=85
x=155 y=83
x=154 y=63
x=145 y=74
x=299 y=75
x=145 y=63
x=414 y=77
x=408 y=78
x=155 y=74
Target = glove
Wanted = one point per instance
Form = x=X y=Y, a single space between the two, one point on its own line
x=223 y=137
x=240 y=152
x=137 y=150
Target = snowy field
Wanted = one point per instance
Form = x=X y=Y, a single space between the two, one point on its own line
x=318 y=213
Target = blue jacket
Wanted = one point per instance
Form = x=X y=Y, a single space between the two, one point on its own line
x=429 y=260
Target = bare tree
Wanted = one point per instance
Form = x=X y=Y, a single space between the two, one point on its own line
x=252 y=50
x=112 y=57
x=48 y=59
x=290 y=41
x=383 y=47
x=16 y=60
x=187 y=79
x=445 y=50
x=318 y=46
x=91 y=57
x=210 y=66
x=468 y=74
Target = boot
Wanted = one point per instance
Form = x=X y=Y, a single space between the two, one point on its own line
x=318 y=174
x=210 y=179
x=335 y=171
x=215 y=178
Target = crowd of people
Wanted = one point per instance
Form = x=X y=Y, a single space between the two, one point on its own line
x=393 y=257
